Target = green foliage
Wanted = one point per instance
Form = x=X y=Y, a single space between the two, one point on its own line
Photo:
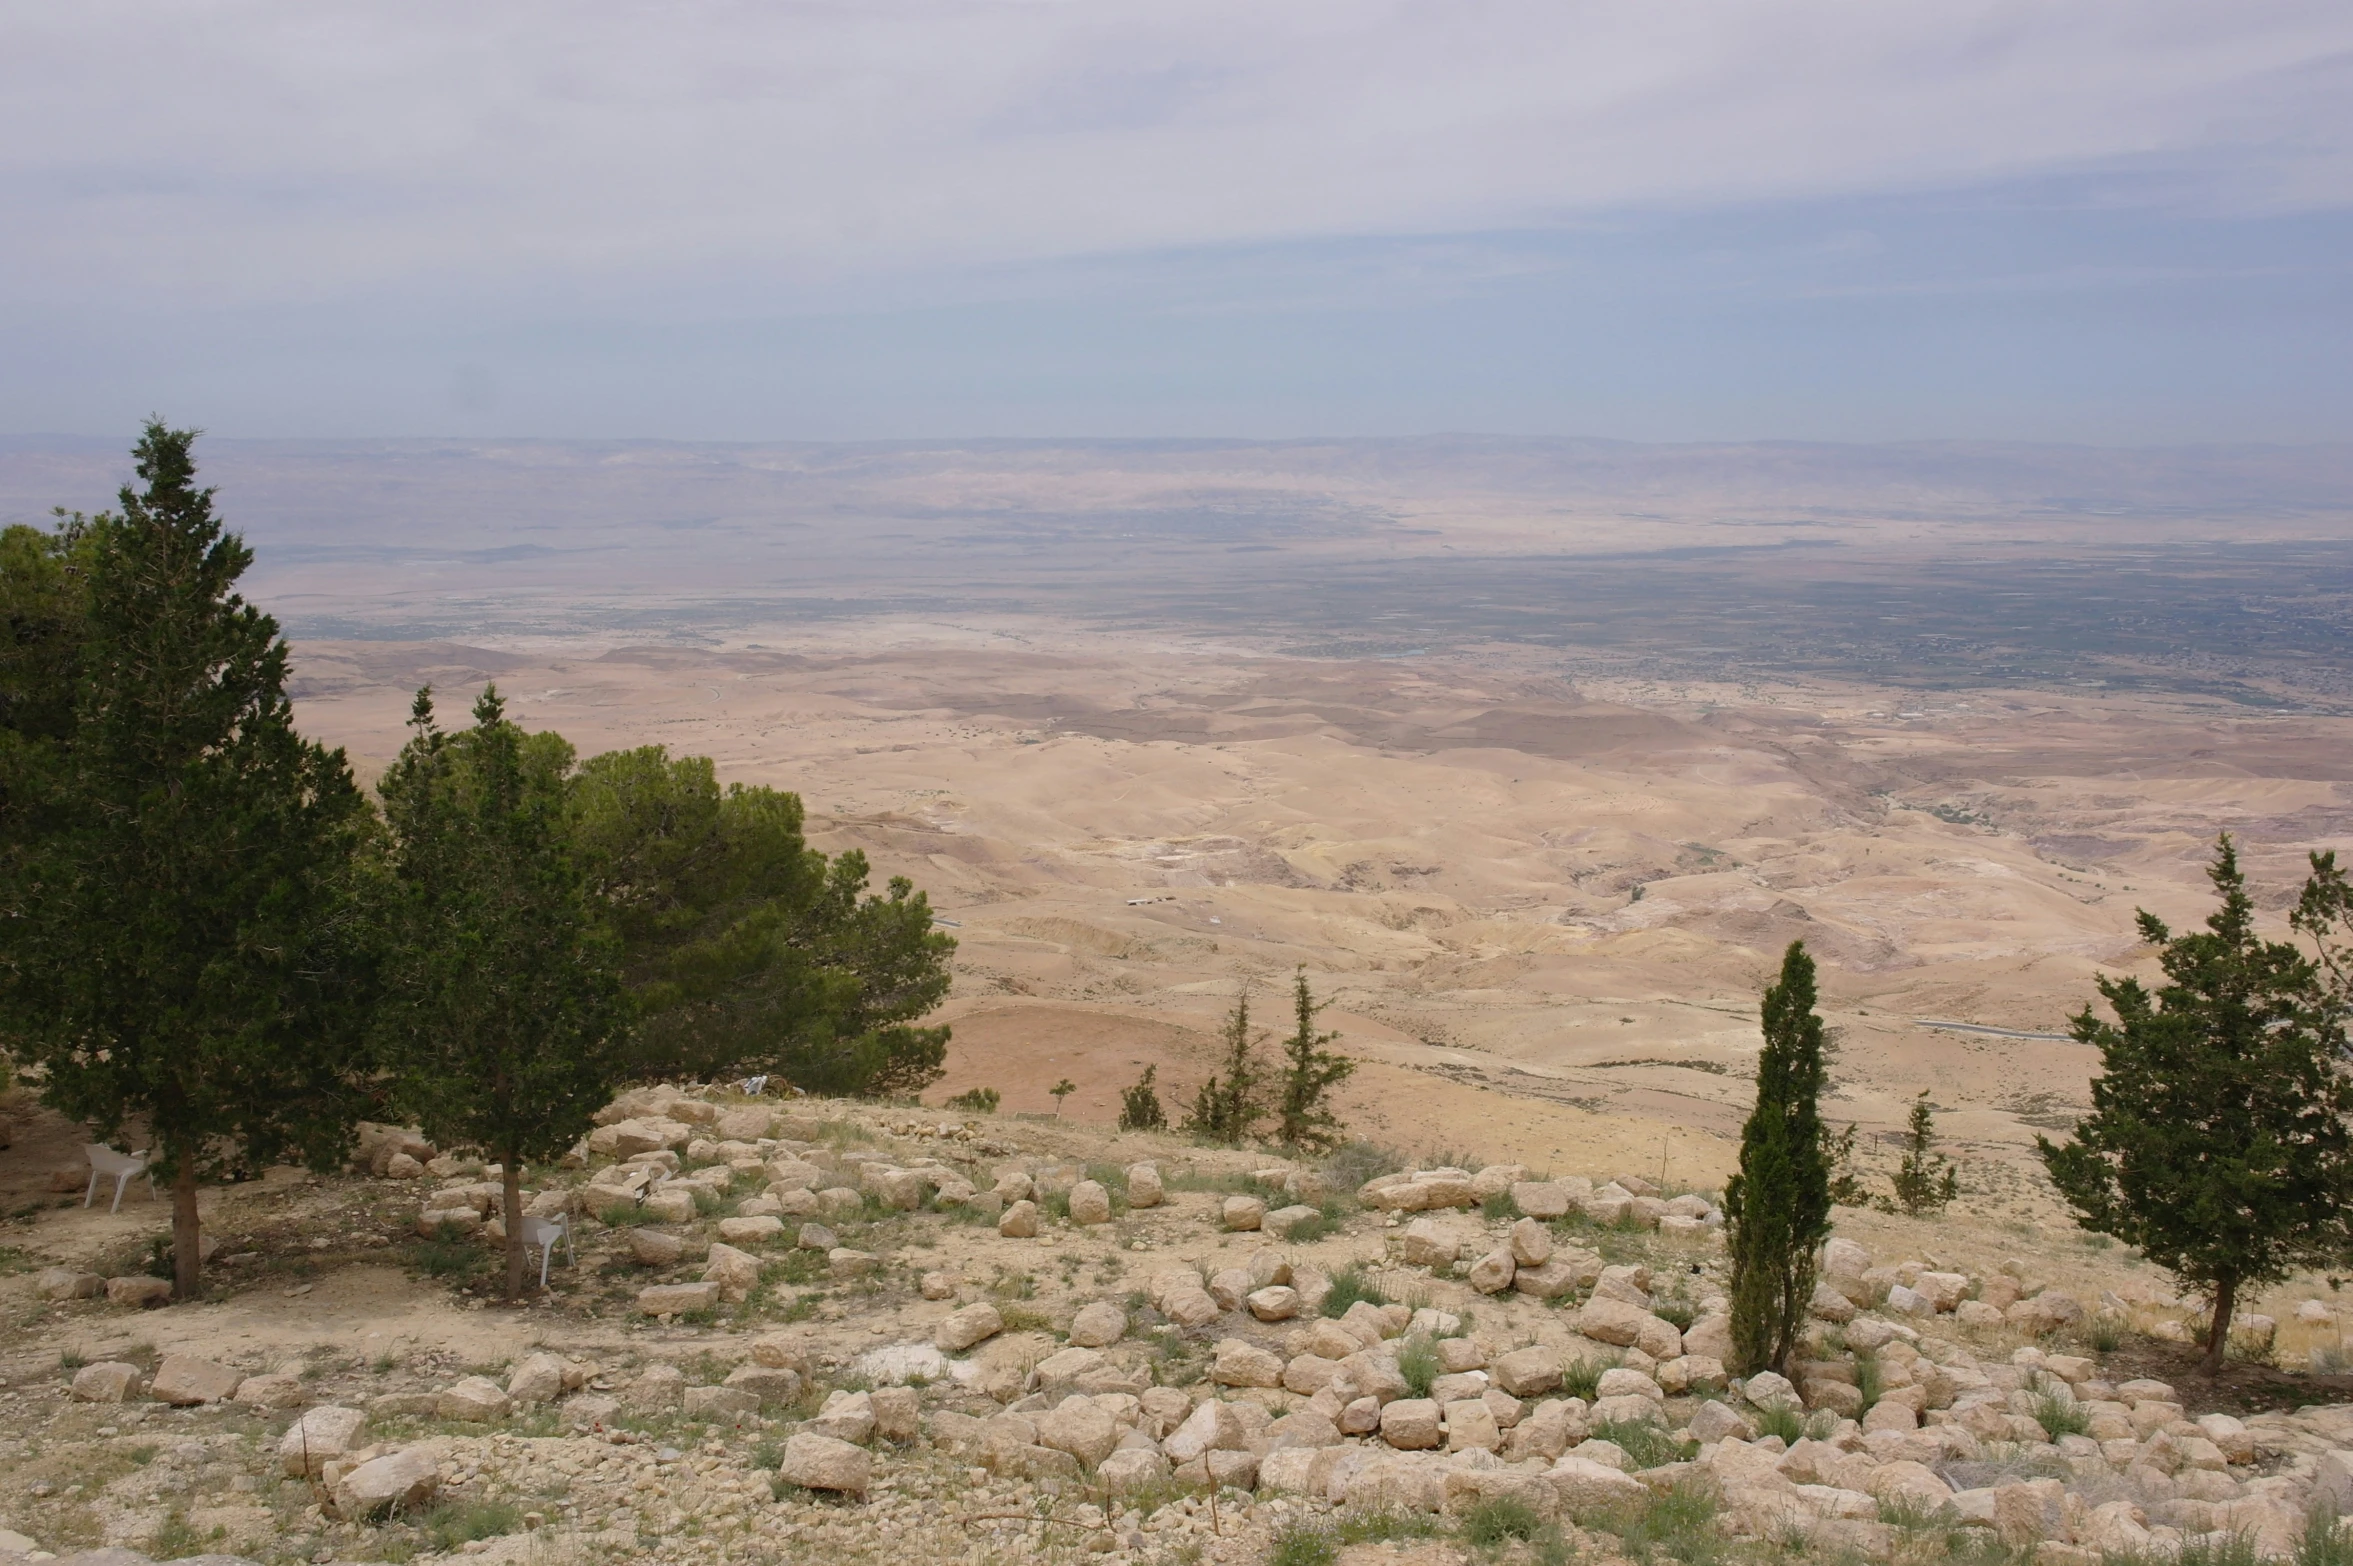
x=1139 y=1106
x=1302 y=1542
x=453 y=1523
x=2217 y=1141
x=978 y=1101
x=1351 y=1164
x=1351 y=1285
x=2058 y=1412
x=1499 y=1208
x=1582 y=1377
x=2105 y=1333
x=1782 y=1419
x=1228 y=1107
x=1870 y=1380
x=502 y=1023
x=745 y=950
x=1499 y=1520
x=1417 y=1362
x=1303 y=1114
x=2325 y=1541
x=1846 y=1181
x=1925 y=1180
x=1062 y=1090
x=1646 y=1443
x=1386 y=1525
x=181 y=943
x=1777 y=1208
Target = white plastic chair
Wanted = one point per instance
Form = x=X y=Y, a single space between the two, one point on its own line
x=124 y=1167
x=544 y=1232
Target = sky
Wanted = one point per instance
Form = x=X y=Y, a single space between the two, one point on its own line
x=2114 y=221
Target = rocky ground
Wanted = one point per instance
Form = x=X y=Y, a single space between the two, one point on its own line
x=803 y=1330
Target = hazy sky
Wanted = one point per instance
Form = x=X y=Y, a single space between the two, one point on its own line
x=2107 y=220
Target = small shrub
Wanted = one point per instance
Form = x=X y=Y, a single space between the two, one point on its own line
x=453 y=1523
x=2325 y=1541
x=1646 y=1443
x=976 y=1101
x=1417 y=1362
x=1303 y=1543
x=624 y=1215
x=1385 y=1525
x=1350 y=1165
x=1022 y=1318
x=2058 y=1413
x=2106 y=1333
x=72 y=1359
x=1677 y=1311
x=1499 y=1208
x=1870 y=1380
x=1500 y=1519
x=1678 y=1526
x=1582 y=1377
x=1325 y=1221
x=2331 y=1359
x=1140 y=1108
x=1785 y=1420
x=1350 y=1285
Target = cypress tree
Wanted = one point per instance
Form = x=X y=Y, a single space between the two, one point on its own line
x=1227 y=1106
x=1925 y=1180
x=1304 y=1118
x=503 y=1020
x=183 y=944
x=1139 y=1106
x=1777 y=1208
x=2217 y=1141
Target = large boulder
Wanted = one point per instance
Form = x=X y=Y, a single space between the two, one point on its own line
x=1412 y=1424
x=139 y=1291
x=67 y=1283
x=1090 y=1204
x=1144 y=1187
x=476 y=1399
x=1243 y=1364
x=1080 y=1428
x=1431 y=1242
x=677 y=1299
x=274 y=1391
x=1527 y=1372
x=184 y=1380
x=1588 y=1490
x=322 y=1435
x=737 y=1273
x=108 y=1381
x=1098 y=1325
x=1541 y=1199
x=962 y=1329
x=817 y=1462
x=1213 y=1427
x=400 y=1481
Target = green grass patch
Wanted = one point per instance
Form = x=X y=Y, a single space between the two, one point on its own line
x=450 y=1524
x=1500 y=1208
x=1417 y=1362
x=1387 y=1525
x=1500 y=1519
x=1646 y=1443
x=1677 y=1526
x=1303 y=1543
x=2325 y=1541
x=1582 y=1377
x=1352 y=1285
x=449 y=1256
x=2058 y=1412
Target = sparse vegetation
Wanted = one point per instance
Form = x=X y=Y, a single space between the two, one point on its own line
x=1925 y=1180
x=1227 y=1107
x=1139 y=1105
x=1304 y=1118
x=1777 y=1208
x=1351 y=1285
x=977 y=1101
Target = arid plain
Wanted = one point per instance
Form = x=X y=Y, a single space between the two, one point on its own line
x=1533 y=754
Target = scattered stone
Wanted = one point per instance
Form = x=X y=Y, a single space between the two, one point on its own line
x=677 y=1299
x=477 y=1399
x=1244 y=1213
x=961 y=1329
x=183 y=1380
x=139 y=1291
x=1090 y=1204
x=538 y=1379
x=1493 y=1272
x=1143 y=1186
x=402 y=1481
x=1411 y=1424
x=64 y=1283
x=1098 y=1325
x=272 y=1392
x=1020 y=1221
x=1244 y=1364
x=750 y=1231
x=108 y=1381
x=653 y=1248
x=818 y=1462
x=722 y=1402
x=322 y=1435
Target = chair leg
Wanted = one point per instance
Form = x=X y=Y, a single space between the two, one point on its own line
x=119 y=1182
x=546 y=1254
x=91 y=1194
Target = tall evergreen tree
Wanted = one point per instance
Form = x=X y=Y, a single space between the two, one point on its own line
x=744 y=949
x=182 y=943
x=1304 y=1117
x=1227 y=1105
x=1777 y=1208
x=1925 y=1181
x=502 y=1023
x=2217 y=1141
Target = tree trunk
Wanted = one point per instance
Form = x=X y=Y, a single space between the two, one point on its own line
x=518 y=1254
x=187 y=1236
x=2226 y=1299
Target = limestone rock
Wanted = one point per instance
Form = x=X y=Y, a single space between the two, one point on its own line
x=1551 y=1281
x=1020 y=1221
x=720 y=1402
x=817 y=1462
x=477 y=1398
x=1278 y=1303
x=1212 y=1427
x=108 y=1381
x=1528 y=1372
x=320 y=1436
x=272 y=1392
x=961 y=1329
x=750 y=1231
x=1431 y=1242
x=766 y=1383
x=1587 y=1489
x=657 y=1389
x=1493 y=1272
x=65 y=1283
x=736 y=1272
x=1090 y=1204
x=1132 y=1468
x=400 y=1481
x=1098 y=1325
x=1079 y=1428
x=184 y=1380
x=1243 y=1213
x=1411 y=1424
x=1144 y=1187
x=1541 y=1199
x=1531 y=1243
x=677 y=1299
x=139 y=1291
x=846 y=1416
x=1243 y=1364
x=653 y=1248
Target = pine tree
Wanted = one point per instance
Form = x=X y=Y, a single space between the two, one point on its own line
x=183 y=944
x=2217 y=1141
x=1139 y=1106
x=1925 y=1180
x=1777 y=1208
x=1227 y=1107
x=502 y=1021
x=1304 y=1119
